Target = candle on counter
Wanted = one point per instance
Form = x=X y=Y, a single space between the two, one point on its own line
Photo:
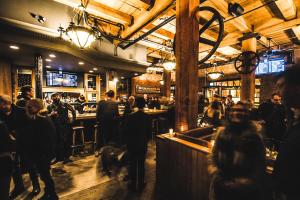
x=212 y=143
x=171 y=132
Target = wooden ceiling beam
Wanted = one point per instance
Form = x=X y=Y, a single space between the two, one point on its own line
x=148 y=17
x=239 y=22
x=101 y=10
x=163 y=32
x=287 y=8
x=279 y=27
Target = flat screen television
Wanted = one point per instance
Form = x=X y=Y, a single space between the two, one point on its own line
x=270 y=66
x=61 y=79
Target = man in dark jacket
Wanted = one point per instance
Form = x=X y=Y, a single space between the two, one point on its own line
x=238 y=159
x=7 y=146
x=286 y=169
x=16 y=121
x=107 y=114
x=39 y=145
x=26 y=95
x=138 y=132
x=59 y=112
x=272 y=112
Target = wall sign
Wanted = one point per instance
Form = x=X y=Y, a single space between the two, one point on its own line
x=147 y=90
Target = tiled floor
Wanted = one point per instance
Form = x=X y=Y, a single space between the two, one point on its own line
x=82 y=180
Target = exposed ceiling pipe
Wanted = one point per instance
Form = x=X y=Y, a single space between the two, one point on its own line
x=127 y=35
x=149 y=32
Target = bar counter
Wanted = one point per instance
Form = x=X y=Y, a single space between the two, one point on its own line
x=88 y=116
x=182 y=163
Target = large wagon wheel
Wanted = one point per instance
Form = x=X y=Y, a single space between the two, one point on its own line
x=216 y=16
x=246 y=62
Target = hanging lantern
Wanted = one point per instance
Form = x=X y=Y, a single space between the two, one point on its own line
x=169 y=65
x=80 y=35
x=215 y=75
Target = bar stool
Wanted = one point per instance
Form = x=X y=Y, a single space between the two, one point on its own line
x=77 y=130
x=96 y=128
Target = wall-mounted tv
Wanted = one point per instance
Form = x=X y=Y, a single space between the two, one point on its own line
x=270 y=66
x=61 y=79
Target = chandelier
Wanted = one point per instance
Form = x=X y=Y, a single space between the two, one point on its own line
x=214 y=74
x=79 y=31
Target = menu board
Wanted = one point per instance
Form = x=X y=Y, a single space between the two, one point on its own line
x=147 y=90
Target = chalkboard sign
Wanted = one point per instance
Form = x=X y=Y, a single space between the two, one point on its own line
x=147 y=90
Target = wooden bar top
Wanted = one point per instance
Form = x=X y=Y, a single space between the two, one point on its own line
x=185 y=143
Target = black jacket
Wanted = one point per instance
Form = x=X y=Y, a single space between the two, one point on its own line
x=238 y=154
x=6 y=143
x=287 y=165
x=6 y=147
x=16 y=122
x=138 y=131
x=107 y=111
x=62 y=110
x=274 y=117
x=40 y=138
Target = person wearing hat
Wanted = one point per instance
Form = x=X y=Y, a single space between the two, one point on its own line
x=106 y=115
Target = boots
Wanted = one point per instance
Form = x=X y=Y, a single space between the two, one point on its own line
x=48 y=196
x=16 y=192
x=36 y=189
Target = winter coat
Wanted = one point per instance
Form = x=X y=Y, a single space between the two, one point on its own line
x=238 y=156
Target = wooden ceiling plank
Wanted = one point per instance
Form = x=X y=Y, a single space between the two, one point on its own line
x=101 y=10
x=146 y=17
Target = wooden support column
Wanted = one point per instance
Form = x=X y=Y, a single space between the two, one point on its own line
x=167 y=83
x=187 y=44
x=248 y=80
x=5 y=78
x=38 y=70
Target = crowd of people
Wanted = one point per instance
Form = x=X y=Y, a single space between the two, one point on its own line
x=238 y=160
x=33 y=136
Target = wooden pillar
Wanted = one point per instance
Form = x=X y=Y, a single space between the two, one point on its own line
x=248 y=80
x=167 y=83
x=187 y=43
x=5 y=78
x=38 y=70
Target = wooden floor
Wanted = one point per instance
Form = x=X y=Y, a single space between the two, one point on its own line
x=82 y=180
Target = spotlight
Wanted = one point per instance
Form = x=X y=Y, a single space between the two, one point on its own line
x=48 y=60
x=48 y=67
x=81 y=63
x=52 y=56
x=39 y=18
x=91 y=71
x=14 y=47
x=235 y=9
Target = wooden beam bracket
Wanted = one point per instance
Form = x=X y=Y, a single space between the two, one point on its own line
x=152 y=2
x=249 y=35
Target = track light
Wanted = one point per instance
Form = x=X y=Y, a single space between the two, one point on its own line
x=235 y=9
